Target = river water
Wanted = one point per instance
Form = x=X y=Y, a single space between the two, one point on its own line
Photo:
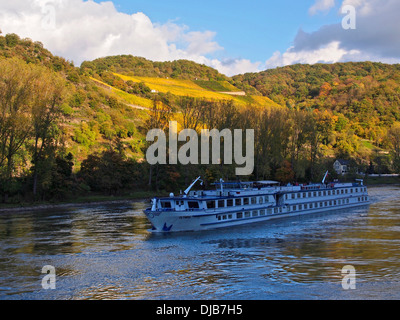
x=107 y=252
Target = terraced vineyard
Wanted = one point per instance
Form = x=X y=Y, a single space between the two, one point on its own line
x=199 y=89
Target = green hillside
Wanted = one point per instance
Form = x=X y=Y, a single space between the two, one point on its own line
x=85 y=133
x=141 y=67
x=362 y=98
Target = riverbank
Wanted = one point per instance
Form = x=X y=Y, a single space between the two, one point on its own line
x=78 y=202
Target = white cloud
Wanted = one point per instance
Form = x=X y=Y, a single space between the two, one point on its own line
x=321 y=5
x=329 y=53
x=235 y=66
x=84 y=30
x=374 y=39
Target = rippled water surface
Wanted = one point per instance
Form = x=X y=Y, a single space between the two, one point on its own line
x=106 y=252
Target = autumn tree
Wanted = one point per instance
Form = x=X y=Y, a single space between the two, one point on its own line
x=30 y=97
x=46 y=115
x=160 y=116
x=394 y=136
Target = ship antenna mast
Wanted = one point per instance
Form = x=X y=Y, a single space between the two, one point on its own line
x=326 y=174
x=191 y=186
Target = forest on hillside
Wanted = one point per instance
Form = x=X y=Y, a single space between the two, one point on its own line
x=63 y=135
x=364 y=96
x=137 y=66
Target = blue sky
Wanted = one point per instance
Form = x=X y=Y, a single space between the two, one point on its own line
x=245 y=29
x=233 y=36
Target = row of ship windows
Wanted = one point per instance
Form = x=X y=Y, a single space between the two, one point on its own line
x=235 y=202
x=323 y=193
x=253 y=200
x=263 y=212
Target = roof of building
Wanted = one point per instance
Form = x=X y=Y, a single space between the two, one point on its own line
x=343 y=162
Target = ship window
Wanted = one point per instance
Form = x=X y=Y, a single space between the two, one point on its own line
x=266 y=198
x=229 y=202
x=224 y=217
x=345 y=191
x=245 y=201
x=262 y=212
x=238 y=202
x=294 y=208
x=334 y=203
x=261 y=200
x=193 y=205
x=326 y=203
x=276 y=210
x=219 y=217
x=300 y=207
x=239 y=215
x=210 y=204
x=356 y=189
x=304 y=195
x=253 y=200
x=269 y=211
x=221 y=203
x=166 y=204
x=229 y=216
x=247 y=214
x=324 y=193
x=314 y=194
x=255 y=214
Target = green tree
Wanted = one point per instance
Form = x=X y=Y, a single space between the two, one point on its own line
x=394 y=137
x=46 y=113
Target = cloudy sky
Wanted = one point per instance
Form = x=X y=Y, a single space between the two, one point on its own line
x=232 y=36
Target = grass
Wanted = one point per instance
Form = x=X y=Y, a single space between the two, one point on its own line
x=129 y=98
x=217 y=86
x=176 y=87
x=208 y=90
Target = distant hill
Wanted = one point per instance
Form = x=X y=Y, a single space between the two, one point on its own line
x=362 y=91
x=362 y=99
x=141 y=67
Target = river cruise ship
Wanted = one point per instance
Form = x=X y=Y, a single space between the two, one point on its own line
x=237 y=203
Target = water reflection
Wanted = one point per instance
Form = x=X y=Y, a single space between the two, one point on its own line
x=106 y=252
